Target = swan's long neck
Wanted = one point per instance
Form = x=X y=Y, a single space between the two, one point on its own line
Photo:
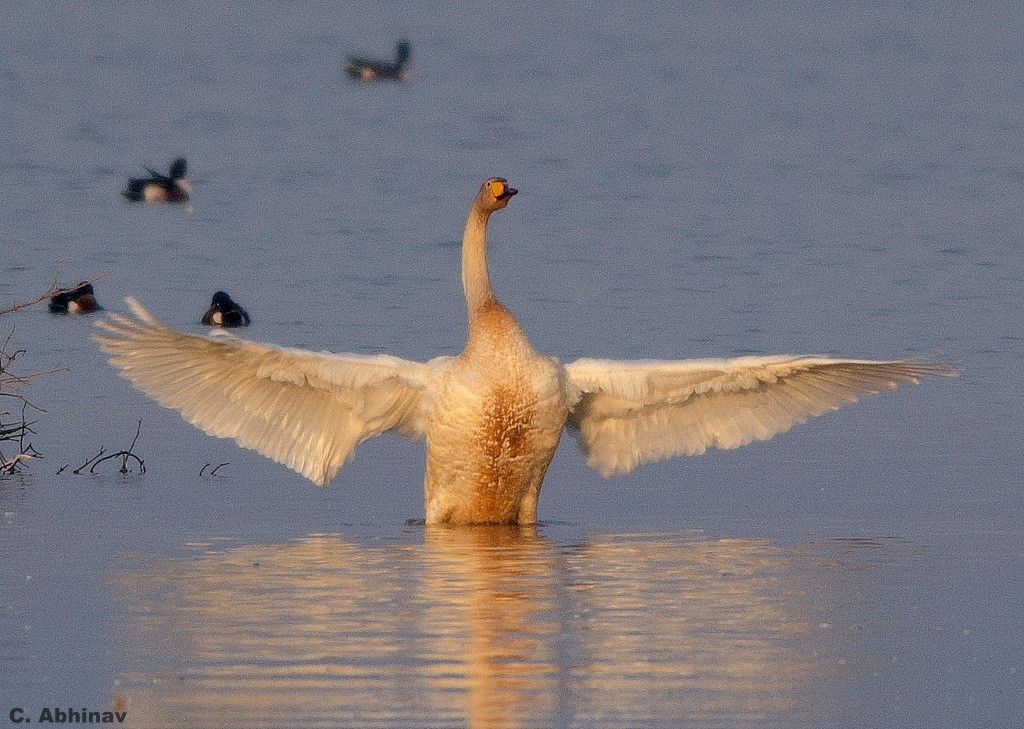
x=475 y=279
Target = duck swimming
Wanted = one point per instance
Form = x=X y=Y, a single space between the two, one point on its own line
x=224 y=312
x=172 y=187
x=79 y=300
x=364 y=69
x=491 y=416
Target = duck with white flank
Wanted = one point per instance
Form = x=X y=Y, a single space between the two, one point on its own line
x=224 y=312
x=79 y=300
x=171 y=188
x=365 y=69
x=491 y=416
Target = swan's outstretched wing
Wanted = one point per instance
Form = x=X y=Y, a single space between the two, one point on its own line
x=629 y=413
x=307 y=410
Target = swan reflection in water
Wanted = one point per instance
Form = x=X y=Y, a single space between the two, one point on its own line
x=485 y=626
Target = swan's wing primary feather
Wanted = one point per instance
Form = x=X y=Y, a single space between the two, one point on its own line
x=307 y=410
x=629 y=413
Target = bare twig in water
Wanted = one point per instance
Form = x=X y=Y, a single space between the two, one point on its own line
x=15 y=430
x=11 y=466
x=213 y=472
x=13 y=381
x=79 y=470
x=138 y=429
x=125 y=456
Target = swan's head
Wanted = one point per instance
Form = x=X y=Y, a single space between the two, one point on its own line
x=495 y=194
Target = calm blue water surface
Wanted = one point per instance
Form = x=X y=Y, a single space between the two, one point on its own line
x=695 y=181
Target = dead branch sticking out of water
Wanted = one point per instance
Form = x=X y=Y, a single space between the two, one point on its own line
x=213 y=471
x=15 y=426
x=124 y=455
x=78 y=471
x=13 y=429
x=28 y=453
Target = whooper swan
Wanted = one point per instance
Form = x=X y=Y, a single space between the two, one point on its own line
x=491 y=416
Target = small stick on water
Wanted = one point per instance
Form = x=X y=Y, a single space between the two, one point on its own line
x=135 y=440
x=213 y=472
x=11 y=466
x=78 y=470
x=125 y=455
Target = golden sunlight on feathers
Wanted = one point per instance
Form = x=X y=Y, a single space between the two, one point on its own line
x=307 y=410
x=635 y=412
x=491 y=416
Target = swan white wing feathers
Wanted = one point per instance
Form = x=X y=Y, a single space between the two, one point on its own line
x=306 y=410
x=628 y=413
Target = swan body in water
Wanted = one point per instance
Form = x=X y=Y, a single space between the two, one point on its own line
x=491 y=416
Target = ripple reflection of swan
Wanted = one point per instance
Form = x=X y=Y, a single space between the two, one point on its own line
x=491 y=416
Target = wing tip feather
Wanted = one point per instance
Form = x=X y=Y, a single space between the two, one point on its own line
x=926 y=366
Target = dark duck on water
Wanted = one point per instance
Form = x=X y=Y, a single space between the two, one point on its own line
x=172 y=187
x=224 y=312
x=365 y=69
x=79 y=300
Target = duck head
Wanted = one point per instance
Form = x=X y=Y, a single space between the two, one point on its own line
x=179 y=168
x=404 y=52
x=222 y=302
